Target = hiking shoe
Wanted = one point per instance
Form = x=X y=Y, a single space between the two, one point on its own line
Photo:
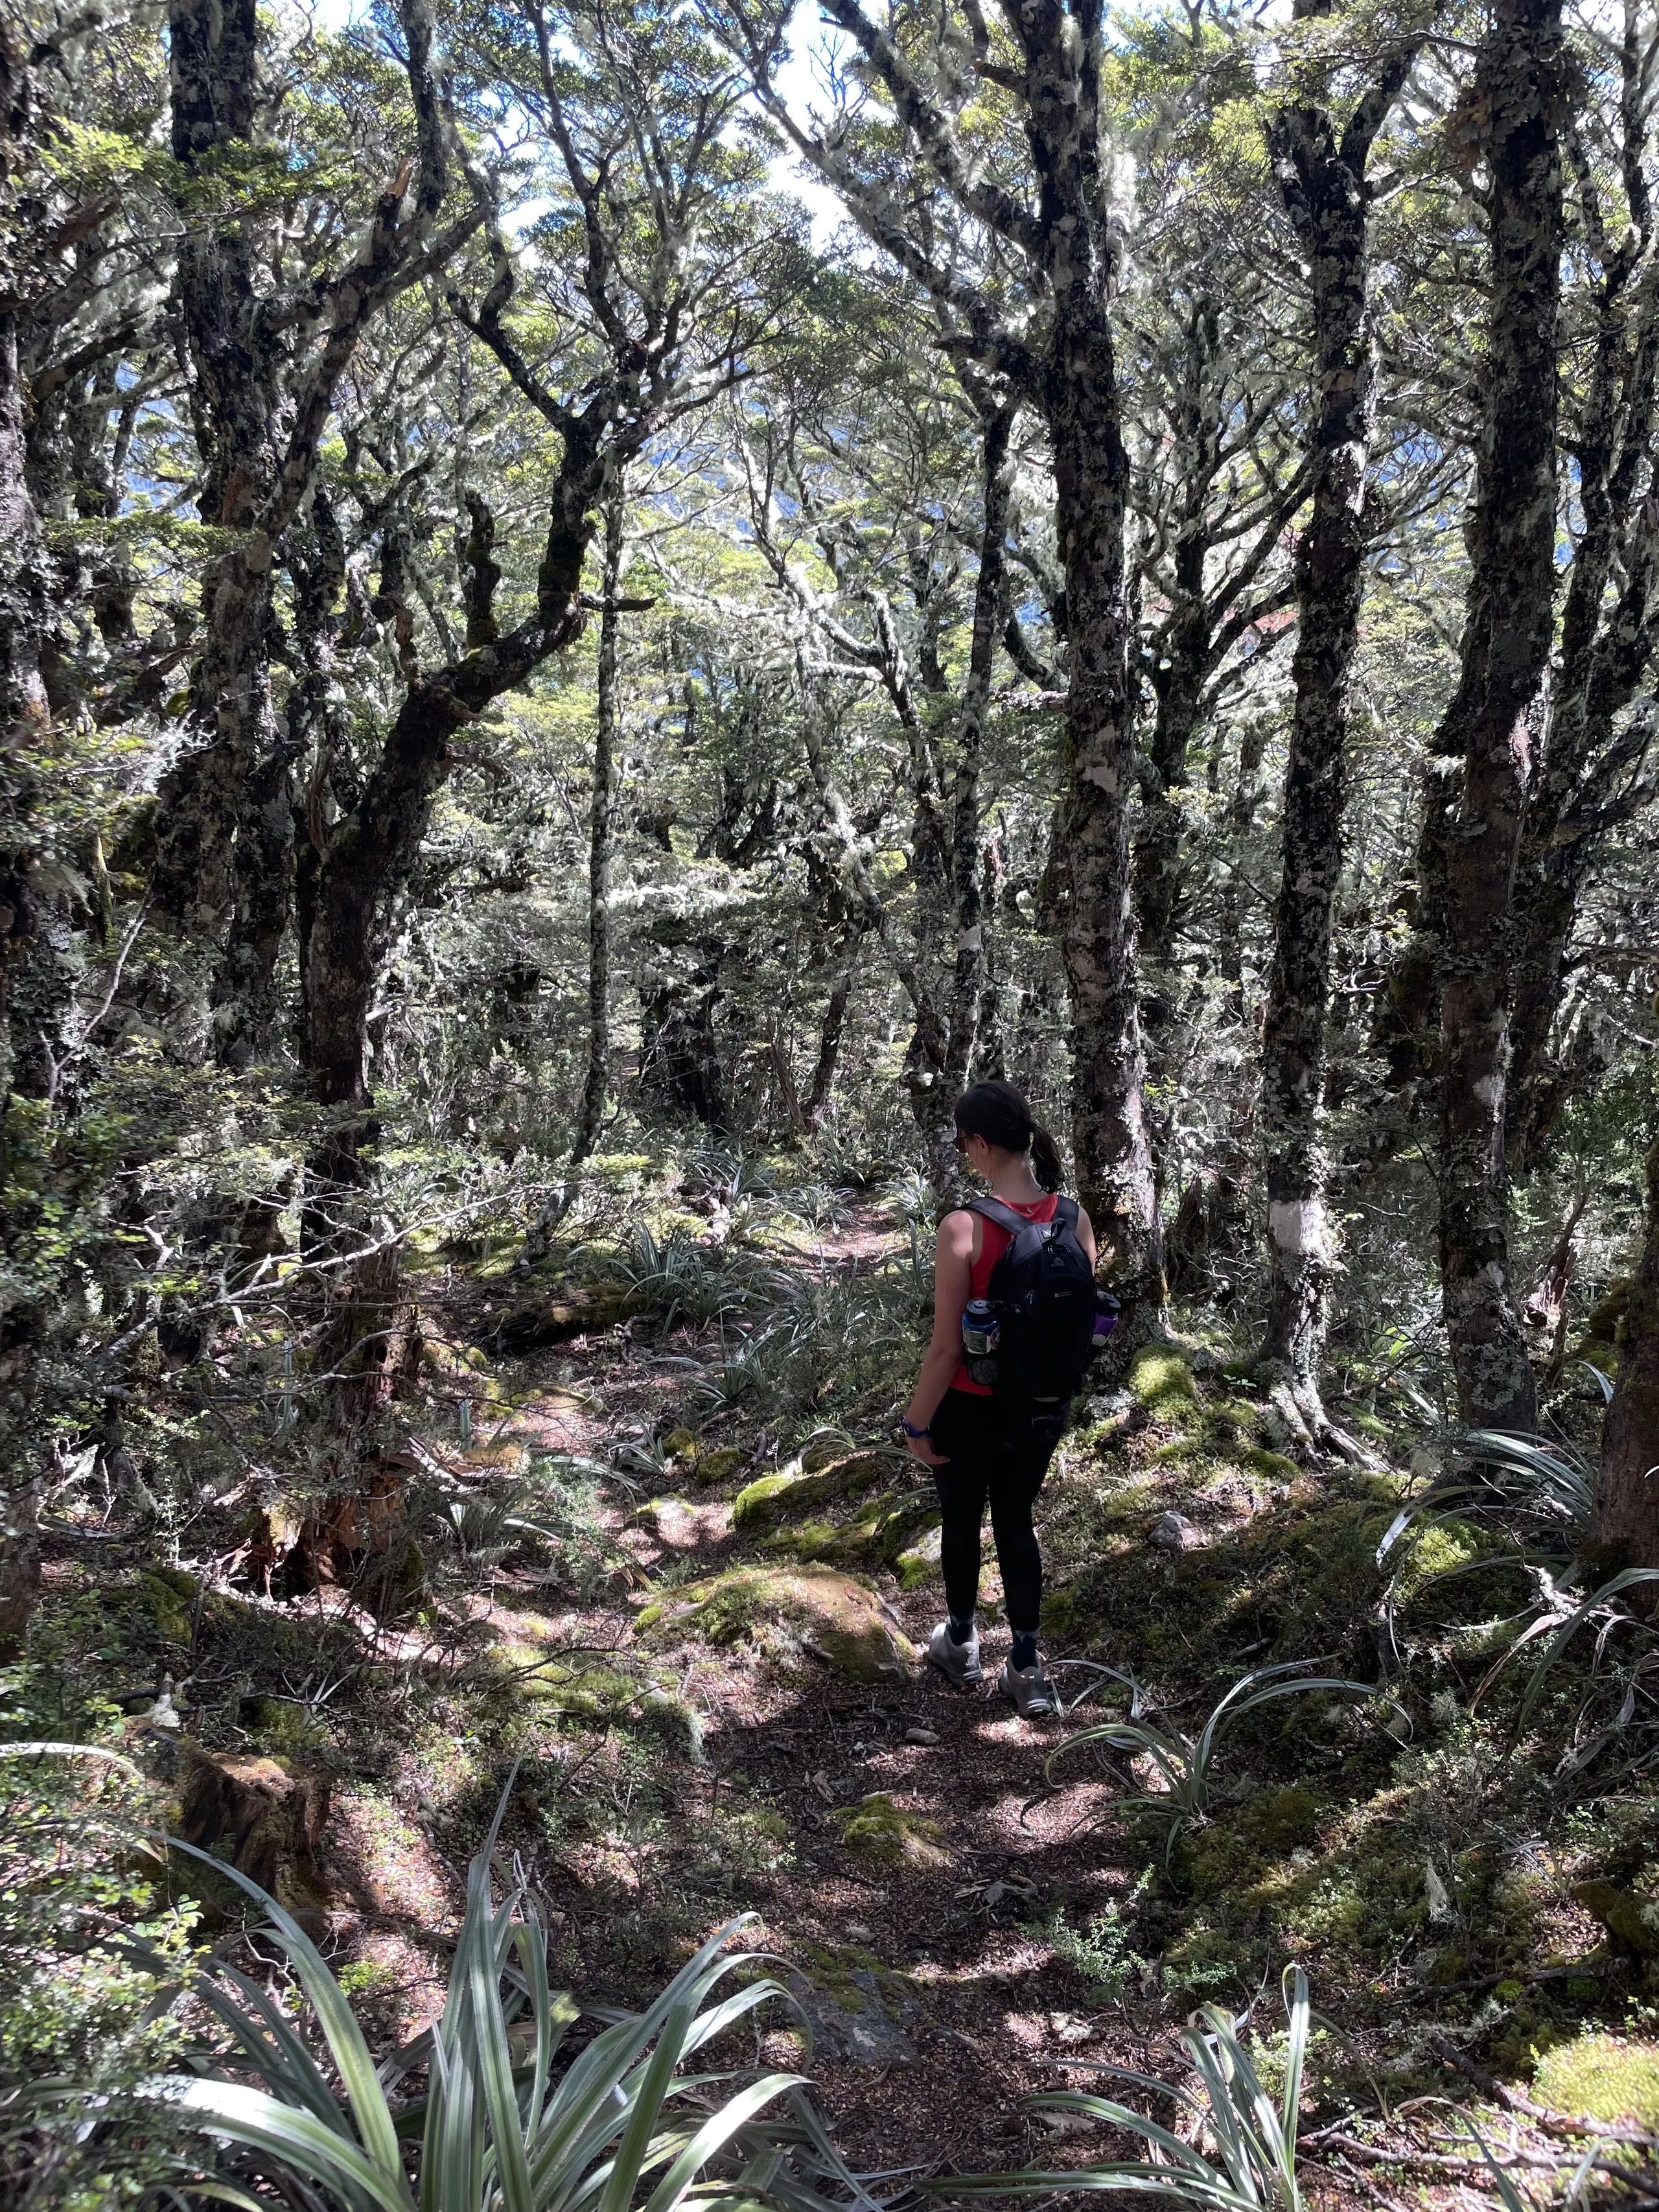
x=1029 y=1688
x=957 y=1662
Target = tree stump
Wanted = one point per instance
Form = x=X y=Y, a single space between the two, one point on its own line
x=263 y=1818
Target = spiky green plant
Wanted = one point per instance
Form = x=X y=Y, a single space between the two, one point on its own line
x=1528 y=1488
x=1561 y=1613
x=632 y=2120
x=1184 y=1763
x=1254 y=2168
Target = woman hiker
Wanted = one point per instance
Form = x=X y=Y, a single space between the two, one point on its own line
x=981 y=1447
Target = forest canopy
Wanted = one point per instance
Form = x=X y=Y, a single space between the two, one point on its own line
x=601 y=607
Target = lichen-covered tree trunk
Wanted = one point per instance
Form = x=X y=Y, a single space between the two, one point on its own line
x=967 y=978
x=1494 y=721
x=232 y=380
x=1624 y=1532
x=1114 y=1153
x=1321 y=176
x=1581 y=790
x=23 y=578
x=260 y=395
x=601 y=811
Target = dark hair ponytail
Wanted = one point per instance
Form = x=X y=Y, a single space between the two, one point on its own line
x=1045 y=1158
x=997 y=1112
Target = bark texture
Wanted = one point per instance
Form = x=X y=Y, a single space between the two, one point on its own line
x=601 y=808
x=1494 y=725
x=1624 y=1532
x=1064 y=365
x=262 y=366
x=1320 y=169
x=1587 y=784
x=25 y=586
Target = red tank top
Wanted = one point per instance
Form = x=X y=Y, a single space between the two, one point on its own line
x=994 y=1243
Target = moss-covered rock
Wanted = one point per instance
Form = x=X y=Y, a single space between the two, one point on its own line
x=878 y=1829
x=843 y=1620
x=1271 y=1466
x=919 y=1562
x=1162 y=1380
x=776 y=1498
x=720 y=1465
x=169 y=1596
x=584 y=1312
x=1601 y=2078
x=759 y=1503
x=1632 y=1922
x=680 y=1443
x=876 y=1536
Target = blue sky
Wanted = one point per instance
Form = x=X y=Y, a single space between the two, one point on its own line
x=796 y=81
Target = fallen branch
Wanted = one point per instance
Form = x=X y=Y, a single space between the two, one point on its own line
x=1441 y=2161
x=1552 y=2123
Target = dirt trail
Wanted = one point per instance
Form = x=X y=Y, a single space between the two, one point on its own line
x=938 y=1997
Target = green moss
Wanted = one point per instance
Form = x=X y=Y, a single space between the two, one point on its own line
x=1440 y=1550
x=589 y=1694
x=876 y=1537
x=1601 y=2078
x=1181 y=1451
x=920 y=1563
x=841 y=1619
x=1632 y=1922
x=1064 y=1612
x=1162 y=1380
x=1233 y=1417
x=1367 y=1425
x=1286 y=1818
x=721 y=1465
x=1271 y=1466
x=758 y=1503
x=811 y=1541
x=680 y=1443
x=775 y=1497
x=877 y=1828
x=169 y=1597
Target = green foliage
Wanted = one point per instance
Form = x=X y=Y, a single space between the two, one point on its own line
x=1253 y=2167
x=1183 y=1764
x=79 y=2004
x=1601 y=2078
x=1102 y=1951
x=498 y=2125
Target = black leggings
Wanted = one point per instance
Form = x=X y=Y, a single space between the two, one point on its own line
x=991 y=1456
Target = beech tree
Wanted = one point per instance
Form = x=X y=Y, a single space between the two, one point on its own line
x=1021 y=256
x=262 y=366
x=1321 y=161
x=1493 y=726
x=523 y=648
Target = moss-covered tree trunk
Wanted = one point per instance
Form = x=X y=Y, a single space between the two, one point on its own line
x=1624 y=1532
x=601 y=813
x=1493 y=726
x=1321 y=167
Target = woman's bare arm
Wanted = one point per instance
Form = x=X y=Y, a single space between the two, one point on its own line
x=953 y=1266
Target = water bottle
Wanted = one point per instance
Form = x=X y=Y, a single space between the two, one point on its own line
x=981 y=1332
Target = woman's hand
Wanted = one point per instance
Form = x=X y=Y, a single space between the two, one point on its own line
x=922 y=1447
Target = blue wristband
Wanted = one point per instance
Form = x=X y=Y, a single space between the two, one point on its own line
x=911 y=1433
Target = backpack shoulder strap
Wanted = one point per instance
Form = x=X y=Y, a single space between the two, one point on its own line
x=1067 y=1214
x=1024 y=1236
x=1000 y=1216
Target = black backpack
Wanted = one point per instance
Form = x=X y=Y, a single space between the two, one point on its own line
x=1042 y=1292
